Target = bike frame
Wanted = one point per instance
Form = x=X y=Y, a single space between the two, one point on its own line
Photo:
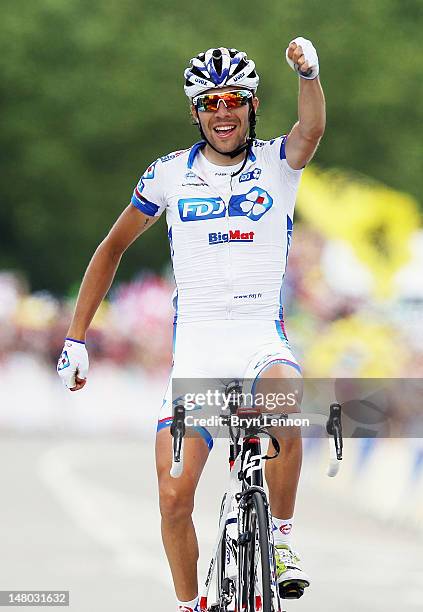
x=246 y=473
x=245 y=458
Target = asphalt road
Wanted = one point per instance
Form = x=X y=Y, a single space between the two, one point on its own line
x=81 y=514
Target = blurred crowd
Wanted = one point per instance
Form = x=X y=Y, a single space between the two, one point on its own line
x=336 y=327
x=353 y=293
x=339 y=327
x=131 y=327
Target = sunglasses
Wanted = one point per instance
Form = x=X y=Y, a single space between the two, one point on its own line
x=231 y=99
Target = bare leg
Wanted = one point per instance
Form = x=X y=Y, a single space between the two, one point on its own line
x=283 y=473
x=176 y=506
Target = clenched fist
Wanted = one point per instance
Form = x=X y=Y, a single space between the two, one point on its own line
x=73 y=364
x=302 y=57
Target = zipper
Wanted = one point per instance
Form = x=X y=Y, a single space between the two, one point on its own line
x=229 y=284
x=228 y=271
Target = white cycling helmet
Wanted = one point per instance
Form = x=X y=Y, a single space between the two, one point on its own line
x=219 y=68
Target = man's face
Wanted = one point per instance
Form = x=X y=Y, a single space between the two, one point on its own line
x=227 y=128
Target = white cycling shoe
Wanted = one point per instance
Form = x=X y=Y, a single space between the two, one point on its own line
x=291 y=578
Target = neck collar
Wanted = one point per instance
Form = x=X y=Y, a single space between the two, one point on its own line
x=202 y=143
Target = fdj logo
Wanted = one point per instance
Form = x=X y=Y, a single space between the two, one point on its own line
x=197 y=209
x=249 y=176
x=149 y=173
x=232 y=236
x=253 y=204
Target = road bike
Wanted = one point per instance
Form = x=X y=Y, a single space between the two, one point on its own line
x=243 y=566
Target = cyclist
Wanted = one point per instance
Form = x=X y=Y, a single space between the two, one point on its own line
x=229 y=203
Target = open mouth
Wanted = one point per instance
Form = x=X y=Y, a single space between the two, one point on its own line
x=224 y=131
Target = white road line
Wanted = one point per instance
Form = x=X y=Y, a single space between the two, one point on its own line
x=107 y=516
x=129 y=529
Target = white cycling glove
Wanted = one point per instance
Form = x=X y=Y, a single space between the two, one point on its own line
x=73 y=362
x=310 y=55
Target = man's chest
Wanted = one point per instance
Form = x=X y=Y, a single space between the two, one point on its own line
x=252 y=194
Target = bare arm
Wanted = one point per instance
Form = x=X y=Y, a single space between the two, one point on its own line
x=103 y=265
x=305 y=136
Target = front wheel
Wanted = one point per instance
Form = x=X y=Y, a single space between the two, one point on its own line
x=254 y=568
x=221 y=557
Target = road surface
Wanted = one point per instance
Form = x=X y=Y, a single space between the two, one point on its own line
x=81 y=514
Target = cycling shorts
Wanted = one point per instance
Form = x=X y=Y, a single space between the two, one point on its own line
x=220 y=351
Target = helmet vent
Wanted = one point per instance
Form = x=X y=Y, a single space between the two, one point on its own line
x=219 y=67
x=217 y=60
x=197 y=72
x=240 y=66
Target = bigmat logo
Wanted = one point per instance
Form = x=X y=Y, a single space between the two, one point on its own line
x=198 y=209
x=231 y=236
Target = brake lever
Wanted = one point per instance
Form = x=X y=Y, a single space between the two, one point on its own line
x=177 y=430
x=334 y=428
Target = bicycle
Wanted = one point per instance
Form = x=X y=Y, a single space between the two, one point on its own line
x=243 y=559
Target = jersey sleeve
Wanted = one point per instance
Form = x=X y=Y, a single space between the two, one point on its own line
x=148 y=195
x=277 y=158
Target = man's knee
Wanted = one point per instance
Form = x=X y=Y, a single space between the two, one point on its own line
x=290 y=444
x=176 y=503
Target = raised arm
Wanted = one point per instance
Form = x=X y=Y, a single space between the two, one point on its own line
x=305 y=135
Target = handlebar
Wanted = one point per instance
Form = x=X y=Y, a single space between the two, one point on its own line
x=332 y=426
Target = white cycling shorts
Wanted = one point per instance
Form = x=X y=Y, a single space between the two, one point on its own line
x=221 y=351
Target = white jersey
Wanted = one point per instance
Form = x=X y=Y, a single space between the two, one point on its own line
x=229 y=247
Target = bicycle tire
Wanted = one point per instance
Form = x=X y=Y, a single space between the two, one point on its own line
x=255 y=523
x=223 y=583
x=221 y=555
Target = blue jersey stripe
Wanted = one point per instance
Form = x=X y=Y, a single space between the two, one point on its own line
x=282 y=153
x=148 y=208
x=194 y=150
